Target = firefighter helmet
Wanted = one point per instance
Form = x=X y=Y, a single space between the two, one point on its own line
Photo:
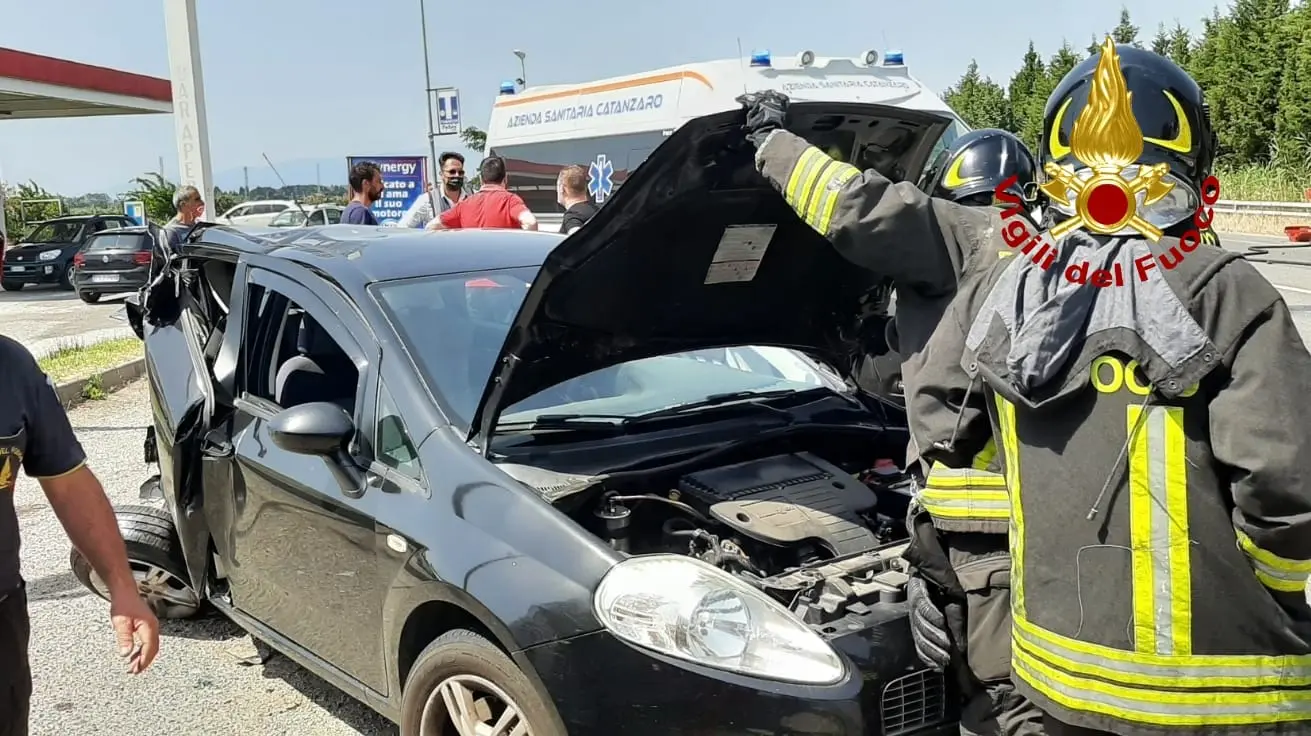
x=975 y=164
x=1126 y=132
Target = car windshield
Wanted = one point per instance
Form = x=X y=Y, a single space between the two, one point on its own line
x=454 y=327
x=118 y=241
x=288 y=218
x=55 y=232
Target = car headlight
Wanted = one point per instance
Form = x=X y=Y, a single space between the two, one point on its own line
x=48 y=255
x=686 y=608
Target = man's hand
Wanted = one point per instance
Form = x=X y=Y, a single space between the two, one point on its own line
x=928 y=626
x=435 y=224
x=136 y=631
x=766 y=112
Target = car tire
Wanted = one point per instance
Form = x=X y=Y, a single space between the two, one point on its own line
x=90 y=297
x=66 y=280
x=12 y=285
x=155 y=555
x=462 y=663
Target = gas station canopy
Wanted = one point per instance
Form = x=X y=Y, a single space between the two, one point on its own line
x=35 y=86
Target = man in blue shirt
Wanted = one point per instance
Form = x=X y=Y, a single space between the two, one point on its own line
x=366 y=188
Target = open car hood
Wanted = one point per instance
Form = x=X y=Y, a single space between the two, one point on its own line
x=653 y=273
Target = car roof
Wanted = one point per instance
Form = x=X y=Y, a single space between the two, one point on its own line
x=356 y=256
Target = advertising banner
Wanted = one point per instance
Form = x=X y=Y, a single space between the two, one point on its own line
x=404 y=180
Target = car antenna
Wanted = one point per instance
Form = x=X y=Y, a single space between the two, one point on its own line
x=283 y=182
x=742 y=62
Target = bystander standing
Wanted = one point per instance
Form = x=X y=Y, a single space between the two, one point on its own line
x=493 y=206
x=571 y=193
x=366 y=188
x=189 y=206
x=444 y=198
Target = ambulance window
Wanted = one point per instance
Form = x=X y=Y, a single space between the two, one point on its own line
x=532 y=168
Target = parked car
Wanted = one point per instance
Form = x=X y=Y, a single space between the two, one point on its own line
x=256 y=214
x=114 y=262
x=323 y=214
x=500 y=482
x=45 y=256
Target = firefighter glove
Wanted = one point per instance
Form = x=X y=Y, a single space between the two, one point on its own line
x=928 y=626
x=766 y=112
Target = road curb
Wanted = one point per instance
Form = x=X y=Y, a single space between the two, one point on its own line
x=72 y=393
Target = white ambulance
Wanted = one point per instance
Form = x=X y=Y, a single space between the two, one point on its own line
x=610 y=126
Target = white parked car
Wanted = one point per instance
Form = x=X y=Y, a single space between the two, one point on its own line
x=322 y=214
x=256 y=214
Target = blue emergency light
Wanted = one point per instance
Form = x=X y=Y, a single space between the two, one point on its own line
x=507 y=88
x=760 y=58
x=892 y=58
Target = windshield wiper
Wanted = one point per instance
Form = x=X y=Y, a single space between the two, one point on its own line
x=585 y=422
x=752 y=398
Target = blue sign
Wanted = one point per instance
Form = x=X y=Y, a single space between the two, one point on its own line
x=136 y=211
x=600 y=178
x=404 y=180
x=448 y=111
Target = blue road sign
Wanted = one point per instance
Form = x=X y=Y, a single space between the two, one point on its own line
x=448 y=111
x=136 y=211
x=404 y=180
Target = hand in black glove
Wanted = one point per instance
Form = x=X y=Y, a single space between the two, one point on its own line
x=766 y=112
x=928 y=626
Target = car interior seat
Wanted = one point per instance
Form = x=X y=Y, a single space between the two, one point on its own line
x=320 y=371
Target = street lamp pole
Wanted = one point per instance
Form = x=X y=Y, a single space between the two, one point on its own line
x=432 y=133
x=523 y=73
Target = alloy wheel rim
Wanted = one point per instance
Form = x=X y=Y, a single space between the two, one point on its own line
x=71 y=271
x=166 y=594
x=472 y=706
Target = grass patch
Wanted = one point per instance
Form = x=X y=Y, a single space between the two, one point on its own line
x=1263 y=184
x=79 y=361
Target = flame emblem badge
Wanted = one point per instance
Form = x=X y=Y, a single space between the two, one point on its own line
x=1107 y=139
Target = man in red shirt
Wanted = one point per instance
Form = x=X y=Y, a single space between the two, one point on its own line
x=493 y=206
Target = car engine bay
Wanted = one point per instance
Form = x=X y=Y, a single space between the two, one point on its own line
x=824 y=540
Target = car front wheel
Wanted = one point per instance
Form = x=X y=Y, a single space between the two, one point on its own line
x=463 y=684
x=66 y=281
x=155 y=556
x=90 y=297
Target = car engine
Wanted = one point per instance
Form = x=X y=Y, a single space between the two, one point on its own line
x=821 y=540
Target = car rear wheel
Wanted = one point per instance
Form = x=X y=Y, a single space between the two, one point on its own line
x=90 y=297
x=463 y=684
x=66 y=281
x=155 y=555
x=12 y=285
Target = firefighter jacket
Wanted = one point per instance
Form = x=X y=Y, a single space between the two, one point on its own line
x=925 y=245
x=1157 y=457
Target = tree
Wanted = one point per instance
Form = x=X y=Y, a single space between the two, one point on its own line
x=1124 y=31
x=979 y=101
x=1028 y=95
x=1243 y=60
x=1293 y=118
x=156 y=193
x=1181 y=45
x=474 y=138
x=1161 y=42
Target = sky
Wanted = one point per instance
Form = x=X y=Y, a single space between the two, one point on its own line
x=307 y=81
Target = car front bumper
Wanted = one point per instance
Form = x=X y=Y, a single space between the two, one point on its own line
x=33 y=272
x=603 y=686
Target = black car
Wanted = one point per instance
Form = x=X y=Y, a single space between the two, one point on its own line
x=501 y=476
x=114 y=262
x=45 y=256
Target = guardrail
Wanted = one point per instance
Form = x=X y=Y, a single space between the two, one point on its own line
x=1297 y=210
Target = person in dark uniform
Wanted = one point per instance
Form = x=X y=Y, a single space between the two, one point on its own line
x=571 y=193
x=1152 y=429
x=959 y=589
x=35 y=436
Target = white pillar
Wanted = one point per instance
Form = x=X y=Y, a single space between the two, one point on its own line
x=189 y=99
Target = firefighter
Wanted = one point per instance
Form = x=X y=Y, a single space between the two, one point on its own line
x=958 y=552
x=925 y=245
x=1150 y=426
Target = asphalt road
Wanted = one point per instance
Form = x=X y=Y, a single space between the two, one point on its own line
x=196 y=687
x=1293 y=282
x=45 y=317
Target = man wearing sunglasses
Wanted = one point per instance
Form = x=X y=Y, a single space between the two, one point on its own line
x=452 y=190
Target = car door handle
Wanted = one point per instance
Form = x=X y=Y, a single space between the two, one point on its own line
x=213 y=447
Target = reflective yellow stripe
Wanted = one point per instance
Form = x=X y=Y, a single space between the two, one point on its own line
x=983 y=460
x=1009 y=446
x=810 y=159
x=1168 y=670
x=1275 y=572
x=981 y=505
x=1161 y=707
x=1158 y=530
x=830 y=193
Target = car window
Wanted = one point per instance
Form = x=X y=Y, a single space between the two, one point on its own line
x=334 y=216
x=118 y=241
x=316 y=218
x=56 y=232
x=286 y=219
x=268 y=209
x=392 y=442
x=289 y=358
x=455 y=325
x=241 y=211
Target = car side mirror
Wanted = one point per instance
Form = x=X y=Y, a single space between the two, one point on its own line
x=324 y=429
x=316 y=428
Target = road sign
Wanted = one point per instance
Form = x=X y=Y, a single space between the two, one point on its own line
x=136 y=211
x=404 y=180
x=447 y=100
